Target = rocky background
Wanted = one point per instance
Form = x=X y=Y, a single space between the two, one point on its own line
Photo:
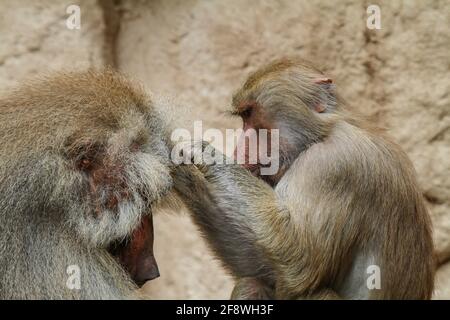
x=199 y=52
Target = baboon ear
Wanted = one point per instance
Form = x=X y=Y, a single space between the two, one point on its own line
x=327 y=99
x=323 y=80
x=319 y=107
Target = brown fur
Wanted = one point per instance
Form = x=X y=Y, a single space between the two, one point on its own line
x=345 y=198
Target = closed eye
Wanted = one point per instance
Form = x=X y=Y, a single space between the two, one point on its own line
x=247 y=113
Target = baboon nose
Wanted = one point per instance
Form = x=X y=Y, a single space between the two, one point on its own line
x=154 y=273
x=147 y=272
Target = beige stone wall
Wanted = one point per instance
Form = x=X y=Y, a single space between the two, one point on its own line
x=34 y=38
x=199 y=52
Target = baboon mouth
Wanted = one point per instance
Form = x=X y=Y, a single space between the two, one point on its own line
x=135 y=253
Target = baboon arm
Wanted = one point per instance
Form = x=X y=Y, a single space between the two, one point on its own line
x=226 y=229
x=245 y=224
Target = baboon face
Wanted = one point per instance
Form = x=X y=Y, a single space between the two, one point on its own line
x=288 y=96
x=120 y=158
x=122 y=171
x=123 y=174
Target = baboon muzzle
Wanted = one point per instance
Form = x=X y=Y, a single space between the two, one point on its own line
x=136 y=253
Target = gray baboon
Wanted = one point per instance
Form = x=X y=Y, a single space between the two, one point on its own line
x=83 y=159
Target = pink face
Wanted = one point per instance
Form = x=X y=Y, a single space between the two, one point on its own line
x=254 y=120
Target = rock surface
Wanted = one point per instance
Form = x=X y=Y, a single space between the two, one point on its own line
x=442 y=289
x=199 y=52
x=34 y=38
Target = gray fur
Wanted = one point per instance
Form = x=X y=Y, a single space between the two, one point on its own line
x=47 y=218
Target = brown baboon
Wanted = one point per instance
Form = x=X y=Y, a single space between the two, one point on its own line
x=83 y=160
x=344 y=200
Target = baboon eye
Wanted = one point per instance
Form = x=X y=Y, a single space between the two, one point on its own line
x=135 y=147
x=84 y=164
x=246 y=113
